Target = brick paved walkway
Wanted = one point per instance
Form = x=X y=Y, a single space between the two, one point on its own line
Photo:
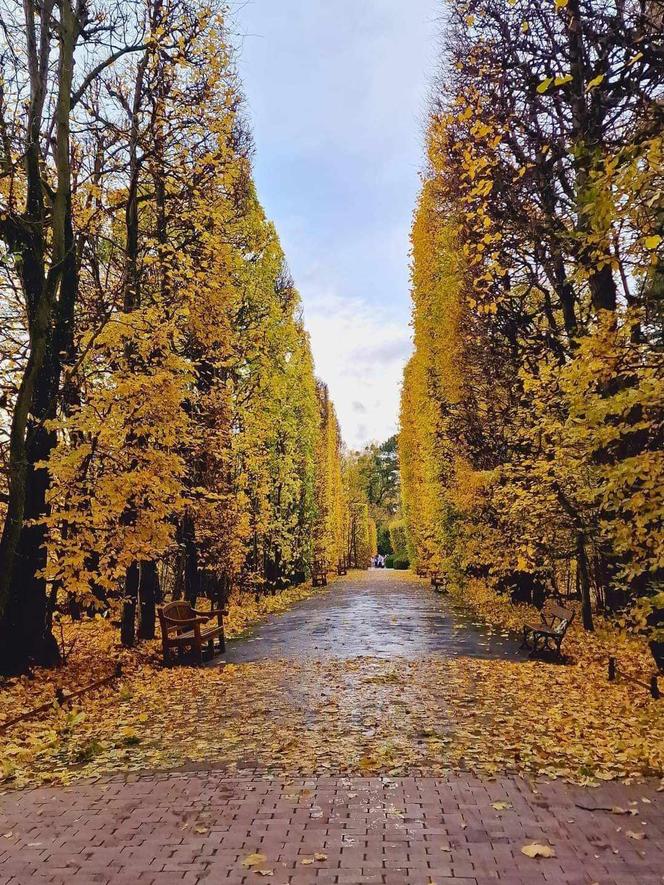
x=200 y=826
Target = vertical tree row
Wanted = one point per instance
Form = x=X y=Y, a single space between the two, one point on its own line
x=532 y=408
x=331 y=515
x=160 y=424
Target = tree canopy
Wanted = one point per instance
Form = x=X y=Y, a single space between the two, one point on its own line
x=531 y=416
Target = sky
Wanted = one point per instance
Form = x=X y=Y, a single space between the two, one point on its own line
x=336 y=93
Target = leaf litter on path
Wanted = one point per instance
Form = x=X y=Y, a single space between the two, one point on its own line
x=365 y=715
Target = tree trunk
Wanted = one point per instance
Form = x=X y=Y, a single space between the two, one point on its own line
x=588 y=114
x=148 y=594
x=584 y=582
x=128 y=623
x=192 y=578
x=24 y=612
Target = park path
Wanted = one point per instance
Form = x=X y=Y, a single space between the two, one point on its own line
x=207 y=824
x=378 y=613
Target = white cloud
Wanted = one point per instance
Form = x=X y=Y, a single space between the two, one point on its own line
x=360 y=355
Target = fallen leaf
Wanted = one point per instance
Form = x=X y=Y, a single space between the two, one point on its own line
x=501 y=806
x=253 y=860
x=534 y=849
x=633 y=834
x=320 y=856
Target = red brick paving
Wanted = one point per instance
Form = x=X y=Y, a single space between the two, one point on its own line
x=198 y=827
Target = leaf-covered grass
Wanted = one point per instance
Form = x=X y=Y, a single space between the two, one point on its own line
x=93 y=648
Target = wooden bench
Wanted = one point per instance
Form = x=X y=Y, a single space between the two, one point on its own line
x=550 y=632
x=319 y=574
x=183 y=626
x=438 y=581
x=421 y=571
x=342 y=568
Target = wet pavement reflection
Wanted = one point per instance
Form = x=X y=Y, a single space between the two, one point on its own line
x=377 y=613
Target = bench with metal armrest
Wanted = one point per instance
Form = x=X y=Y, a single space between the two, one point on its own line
x=551 y=630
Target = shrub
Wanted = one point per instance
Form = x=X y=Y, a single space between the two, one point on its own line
x=389 y=561
x=401 y=563
x=398 y=538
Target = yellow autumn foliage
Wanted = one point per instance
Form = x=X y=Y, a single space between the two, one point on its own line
x=532 y=407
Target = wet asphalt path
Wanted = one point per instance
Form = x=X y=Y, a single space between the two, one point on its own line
x=378 y=613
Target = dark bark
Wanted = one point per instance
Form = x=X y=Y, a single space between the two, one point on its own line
x=192 y=577
x=587 y=133
x=128 y=622
x=50 y=286
x=584 y=581
x=149 y=594
x=132 y=300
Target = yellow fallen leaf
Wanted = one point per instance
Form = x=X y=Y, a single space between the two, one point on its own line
x=534 y=849
x=633 y=834
x=501 y=806
x=320 y=856
x=264 y=872
x=306 y=861
x=253 y=860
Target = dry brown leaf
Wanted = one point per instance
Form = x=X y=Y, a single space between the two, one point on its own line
x=635 y=834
